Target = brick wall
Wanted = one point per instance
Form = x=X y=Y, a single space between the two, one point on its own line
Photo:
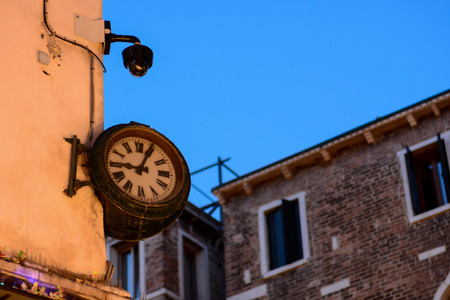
x=358 y=198
x=162 y=264
x=154 y=265
x=214 y=244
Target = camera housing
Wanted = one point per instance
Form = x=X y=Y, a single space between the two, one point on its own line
x=137 y=59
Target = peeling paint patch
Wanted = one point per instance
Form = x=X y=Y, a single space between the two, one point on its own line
x=53 y=47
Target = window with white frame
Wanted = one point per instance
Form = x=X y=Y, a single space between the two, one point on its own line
x=425 y=172
x=283 y=235
x=126 y=258
x=193 y=268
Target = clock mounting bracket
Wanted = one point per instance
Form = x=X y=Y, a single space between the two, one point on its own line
x=77 y=149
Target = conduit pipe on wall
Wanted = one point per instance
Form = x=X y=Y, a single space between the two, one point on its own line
x=92 y=101
x=90 y=134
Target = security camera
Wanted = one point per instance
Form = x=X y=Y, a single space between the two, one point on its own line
x=137 y=58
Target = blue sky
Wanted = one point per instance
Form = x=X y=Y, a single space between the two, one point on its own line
x=257 y=81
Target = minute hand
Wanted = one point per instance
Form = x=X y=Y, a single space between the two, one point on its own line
x=127 y=165
x=147 y=154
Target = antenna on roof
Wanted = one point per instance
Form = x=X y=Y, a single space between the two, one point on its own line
x=219 y=164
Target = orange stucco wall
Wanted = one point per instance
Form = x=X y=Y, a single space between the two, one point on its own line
x=40 y=105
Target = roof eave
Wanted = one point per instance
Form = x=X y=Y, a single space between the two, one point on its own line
x=368 y=133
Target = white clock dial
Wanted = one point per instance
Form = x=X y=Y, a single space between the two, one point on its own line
x=141 y=169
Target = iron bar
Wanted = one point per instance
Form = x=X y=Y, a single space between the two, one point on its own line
x=216 y=203
x=234 y=173
x=203 y=193
x=220 y=163
x=208 y=167
x=75 y=184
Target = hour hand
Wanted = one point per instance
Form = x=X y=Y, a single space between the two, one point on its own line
x=126 y=165
x=147 y=154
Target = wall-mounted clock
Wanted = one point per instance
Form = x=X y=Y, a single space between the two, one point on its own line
x=142 y=180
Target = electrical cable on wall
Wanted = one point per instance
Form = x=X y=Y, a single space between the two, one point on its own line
x=92 y=94
x=73 y=42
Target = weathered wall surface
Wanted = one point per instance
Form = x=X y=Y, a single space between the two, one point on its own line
x=39 y=106
x=357 y=197
x=162 y=259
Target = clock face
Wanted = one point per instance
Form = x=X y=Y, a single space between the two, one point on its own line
x=141 y=169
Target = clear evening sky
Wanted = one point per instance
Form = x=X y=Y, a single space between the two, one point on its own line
x=259 y=80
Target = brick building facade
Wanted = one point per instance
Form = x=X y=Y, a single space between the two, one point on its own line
x=183 y=262
x=361 y=216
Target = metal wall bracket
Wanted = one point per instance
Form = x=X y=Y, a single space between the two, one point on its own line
x=74 y=183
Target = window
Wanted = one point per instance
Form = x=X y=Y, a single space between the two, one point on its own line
x=283 y=230
x=128 y=269
x=426 y=177
x=125 y=257
x=193 y=268
x=283 y=235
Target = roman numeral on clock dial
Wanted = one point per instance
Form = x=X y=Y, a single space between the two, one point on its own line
x=128 y=186
x=160 y=162
x=161 y=183
x=127 y=147
x=154 y=193
x=164 y=173
x=118 y=153
x=114 y=164
x=119 y=176
x=141 y=191
x=139 y=147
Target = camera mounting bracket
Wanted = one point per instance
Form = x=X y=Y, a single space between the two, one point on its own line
x=136 y=58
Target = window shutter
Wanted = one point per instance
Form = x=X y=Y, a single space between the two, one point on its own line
x=292 y=234
x=276 y=239
x=412 y=181
x=444 y=163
